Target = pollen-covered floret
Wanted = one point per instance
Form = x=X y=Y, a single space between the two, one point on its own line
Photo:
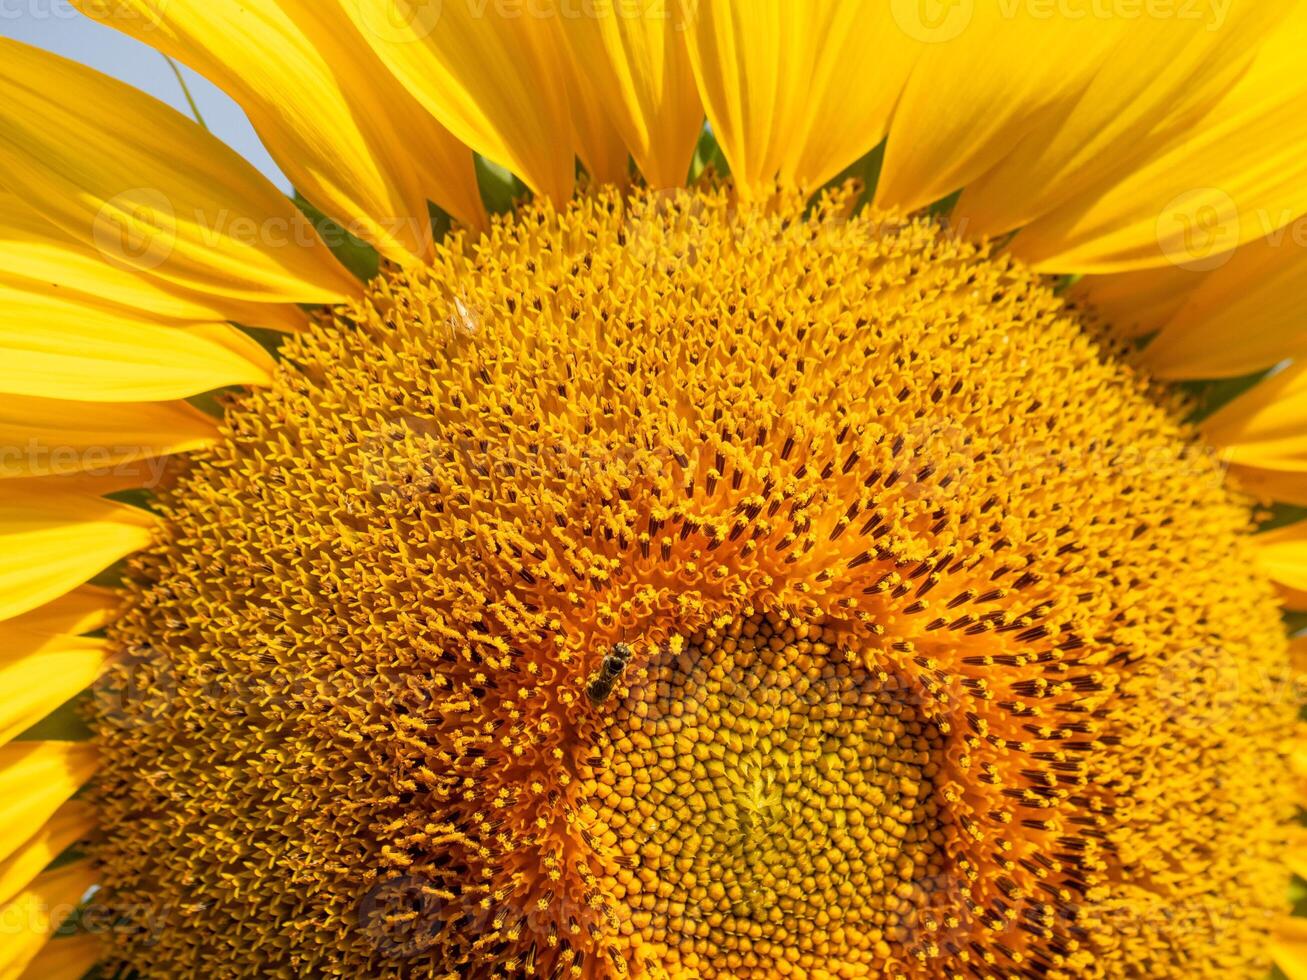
x=942 y=653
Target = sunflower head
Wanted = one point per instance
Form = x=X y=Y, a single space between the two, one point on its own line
x=661 y=587
x=662 y=500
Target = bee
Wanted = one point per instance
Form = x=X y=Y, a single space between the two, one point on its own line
x=601 y=685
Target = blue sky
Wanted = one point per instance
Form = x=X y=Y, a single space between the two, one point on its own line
x=56 y=26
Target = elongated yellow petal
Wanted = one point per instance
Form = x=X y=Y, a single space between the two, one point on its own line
x=36 y=778
x=152 y=189
x=1151 y=86
x=98 y=483
x=494 y=77
x=34 y=253
x=1289 y=948
x=66 y=958
x=964 y=107
x=86 y=608
x=1284 y=484
x=635 y=62
x=72 y=822
x=38 y=911
x=1267 y=426
x=1235 y=175
x=237 y=343
x=1135 y=304
x=1282 y=557
x=18 y=644
x=45 y=436
x=35 y=685
x=51 y=544
x=347 y=134
x=55 y=346
x=597 y=141
x=787 y=88
x=1245 y=316
x=1296 y=858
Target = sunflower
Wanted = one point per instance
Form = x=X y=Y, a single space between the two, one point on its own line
x=723 y=489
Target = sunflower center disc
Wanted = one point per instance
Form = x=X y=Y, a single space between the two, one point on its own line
x=671 y=587
x=781 y=794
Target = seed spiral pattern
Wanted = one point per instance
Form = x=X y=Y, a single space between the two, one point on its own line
x=774 y=801
x=943 y=656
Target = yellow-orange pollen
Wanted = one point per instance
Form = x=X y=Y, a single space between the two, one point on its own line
x=670 y=587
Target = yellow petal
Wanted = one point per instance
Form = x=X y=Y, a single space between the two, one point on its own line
x=1296 y=858
x=1298 y=665
x=38 y=911
x=1235 y=175
x=345 y=132
x=494 y=77
x=65 y=958
x=18 y=644
x=152 y=189
x=35 y=685
x=36 y=778
x=1285 y=485
x=1150 y=87
x=51 y=544
x=787 y=88
x=1298 y=753
x=85 y=608
x=55 y=346
x=239 y=343
x=597 y=141
x=635 y=63
x=35 y=253
x=964 y=106
x=1245 y=316
x=44 y=436
x=1135 y=304
x=1267 y=426
x=1289 y=948
x=1282 y=557
x=99 y=483
x=73 y=821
